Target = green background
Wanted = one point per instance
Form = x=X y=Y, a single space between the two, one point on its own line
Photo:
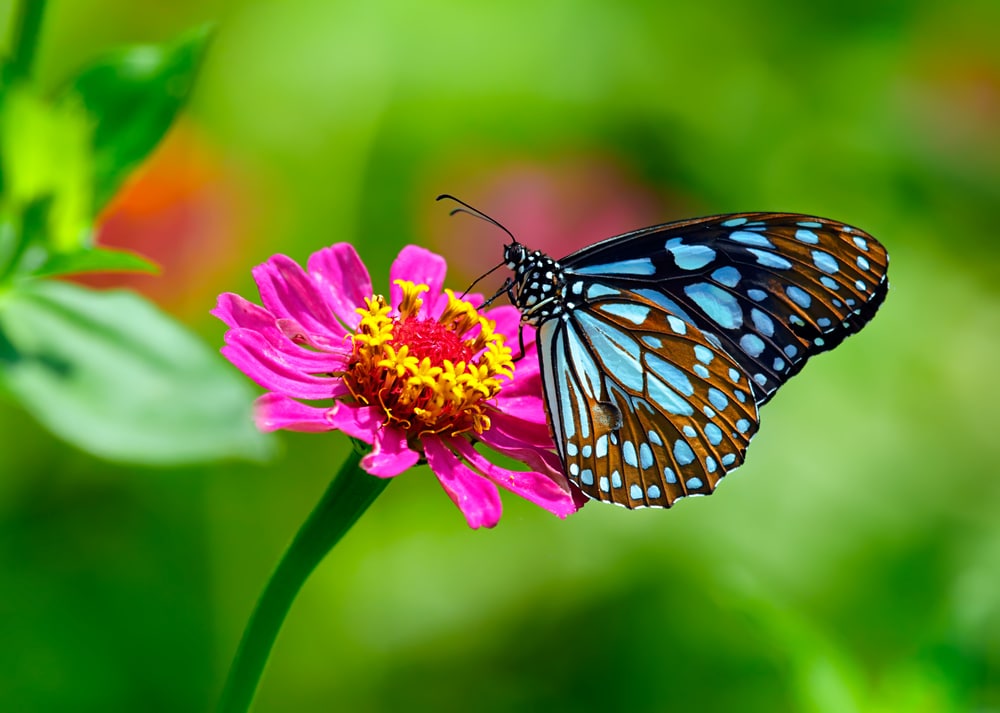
x=853 y=564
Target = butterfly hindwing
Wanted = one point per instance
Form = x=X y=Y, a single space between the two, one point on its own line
x=645 y=409
x=770 y=289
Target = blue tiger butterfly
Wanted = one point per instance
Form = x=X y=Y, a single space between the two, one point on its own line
x=659 y=346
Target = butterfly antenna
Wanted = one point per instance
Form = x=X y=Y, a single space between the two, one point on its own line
x=476 y=213
x=480 y=279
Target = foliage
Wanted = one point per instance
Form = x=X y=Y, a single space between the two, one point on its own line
x=108 y=372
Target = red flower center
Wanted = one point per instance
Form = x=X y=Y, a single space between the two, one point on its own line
x=429 y=339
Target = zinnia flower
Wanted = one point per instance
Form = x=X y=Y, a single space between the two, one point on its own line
x=421 y=376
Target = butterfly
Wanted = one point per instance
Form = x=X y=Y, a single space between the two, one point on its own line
x=658 y=347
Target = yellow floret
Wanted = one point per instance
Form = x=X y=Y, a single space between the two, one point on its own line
x=450 y=398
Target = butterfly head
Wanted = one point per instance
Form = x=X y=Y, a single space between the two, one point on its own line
x=514 y=255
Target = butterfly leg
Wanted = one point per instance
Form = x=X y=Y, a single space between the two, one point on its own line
x=520 y=344
x=506 y=289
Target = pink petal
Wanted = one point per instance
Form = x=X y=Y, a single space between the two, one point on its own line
x=291 y=354
x=519 y=430
x=527 y=379
x=474 y=495
x=520 y=401
x=419 y=266
x=297 y=334
x=276 y=411
x=343 y=279
x=508 y=323
x=361 y=422
x=530 y=409
x=536 y=487
x=254 y=357
x=390 y=453
x=236 y=311
x=541 y=457
x=287 y=291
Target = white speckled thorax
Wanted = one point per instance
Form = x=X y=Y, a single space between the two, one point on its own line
x=538 y=288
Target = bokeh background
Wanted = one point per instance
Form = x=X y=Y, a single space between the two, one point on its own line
x=853 y=564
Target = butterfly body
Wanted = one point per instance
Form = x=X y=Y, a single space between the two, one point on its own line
x=657 y=347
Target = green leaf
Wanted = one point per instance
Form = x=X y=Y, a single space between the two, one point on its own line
x=46 y=163
x=94 y=260
x=111 y=374
x=133 y=96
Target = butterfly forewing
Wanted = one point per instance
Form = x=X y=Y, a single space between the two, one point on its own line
x=646 y=409
x=770 y=289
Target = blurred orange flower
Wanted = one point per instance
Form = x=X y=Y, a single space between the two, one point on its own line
x=184 y=210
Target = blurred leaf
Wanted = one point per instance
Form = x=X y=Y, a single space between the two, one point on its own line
x=45 y=161
x=95 y=260
x=133 y=96
x=114 y=376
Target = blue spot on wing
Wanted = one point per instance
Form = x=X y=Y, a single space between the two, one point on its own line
x=718 y=304
x=677 y=379
x=728 y=276
x=683 y=452
x=634 y=313
x=629 y=454
x=763 y=323
x=752 y=344
x=768 y=259
x=703 y=354
x=690 y=257
x=798 y=296
x=597 y=290
x=666 y=398
x=717 y=398
x=824 y=261
x=645 y=456
x=807 y=236
x=747 y=238
x=638 y=266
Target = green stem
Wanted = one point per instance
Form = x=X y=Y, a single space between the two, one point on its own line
x=347 y=497
x=27 y=27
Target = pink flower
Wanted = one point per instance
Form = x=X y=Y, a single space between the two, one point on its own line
x=420 y=377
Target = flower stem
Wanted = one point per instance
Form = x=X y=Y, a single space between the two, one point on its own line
x=347 y=497
x=27 y=27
